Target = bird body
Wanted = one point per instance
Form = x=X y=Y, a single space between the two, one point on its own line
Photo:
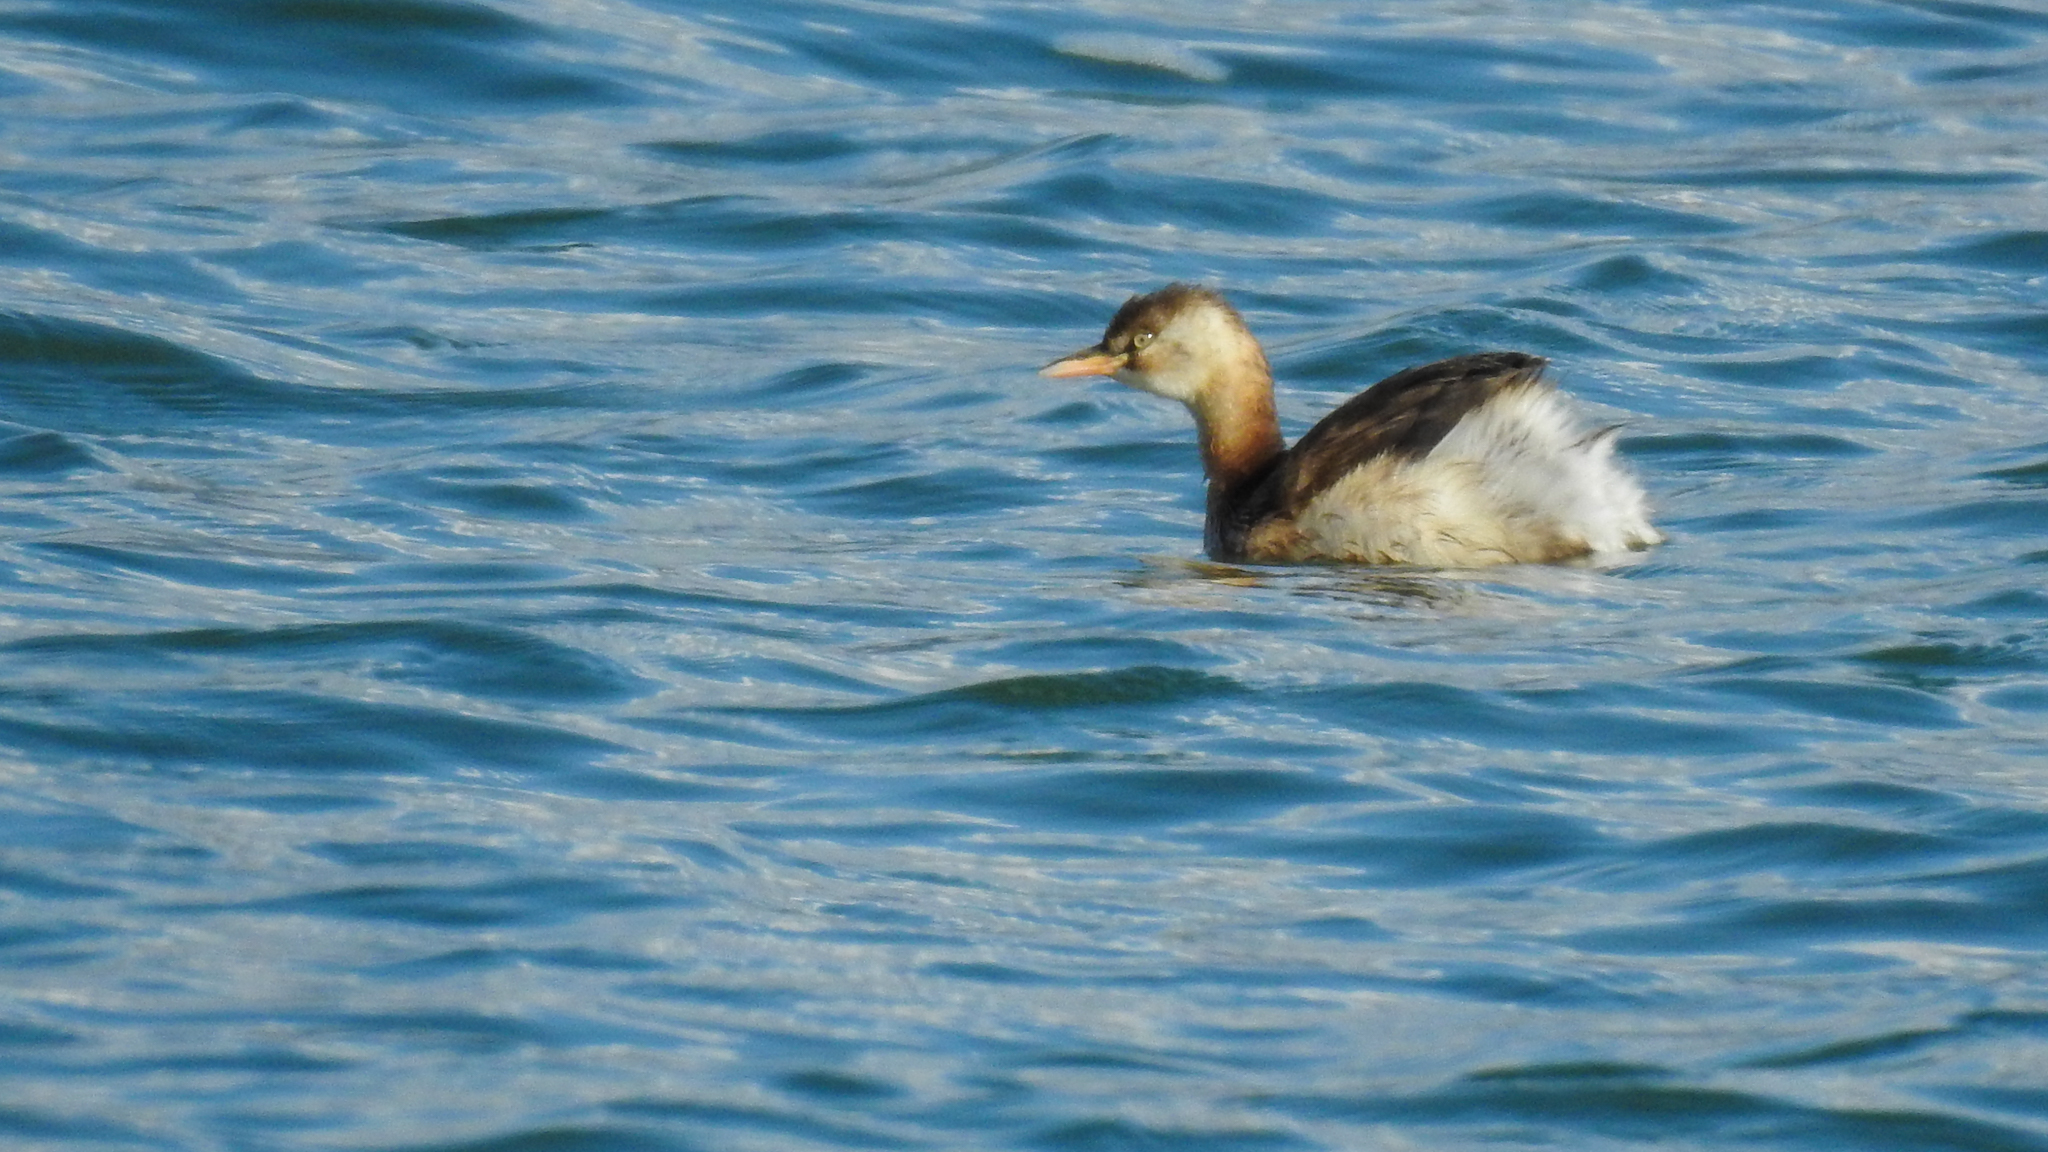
x=1467 y=462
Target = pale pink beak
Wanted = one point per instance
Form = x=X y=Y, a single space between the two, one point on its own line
x=1087 y=362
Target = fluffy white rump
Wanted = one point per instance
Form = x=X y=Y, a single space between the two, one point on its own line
x=1516 y=481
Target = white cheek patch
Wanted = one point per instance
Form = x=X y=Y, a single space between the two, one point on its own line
x=1186 y=354
x=1173 y=381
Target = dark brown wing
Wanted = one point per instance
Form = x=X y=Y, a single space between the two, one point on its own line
x=1407 y=414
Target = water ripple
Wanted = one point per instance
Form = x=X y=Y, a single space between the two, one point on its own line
x=543 y=605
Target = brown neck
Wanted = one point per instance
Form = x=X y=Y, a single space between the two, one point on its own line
x=1238 y=428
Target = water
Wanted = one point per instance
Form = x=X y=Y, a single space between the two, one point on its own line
x=545 y=609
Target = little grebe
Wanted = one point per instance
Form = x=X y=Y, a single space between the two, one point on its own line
x=1466 y=462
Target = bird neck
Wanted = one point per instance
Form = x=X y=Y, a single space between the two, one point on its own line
x=1234 y=417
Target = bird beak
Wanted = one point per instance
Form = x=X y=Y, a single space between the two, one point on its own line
x=1093 y=361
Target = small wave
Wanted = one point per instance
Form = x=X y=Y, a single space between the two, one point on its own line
x=1142 y=52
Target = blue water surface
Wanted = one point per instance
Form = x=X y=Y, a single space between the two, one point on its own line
x=544 y=609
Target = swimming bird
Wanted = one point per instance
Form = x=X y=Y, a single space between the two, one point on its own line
x=1463 y=463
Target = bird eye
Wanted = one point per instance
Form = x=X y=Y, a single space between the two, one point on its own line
x=1140 y=340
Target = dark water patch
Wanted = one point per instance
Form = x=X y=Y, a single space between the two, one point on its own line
x=397 y=52
x=53 y=943
x=1762 y=927
x=760 y=615
x=2019 y=698
x=2023 y=1021
x=1610 y=719
x=609 y=782
x=78 y=377
x=1504 y=983
x=38 y=1127
x=832 y=1085
x=2004 y=72
x=2011 y=883
x=409 y=854
x=282 y=731
x=567 y=1138
x=2012 y=1100
x=1803 y=848
x=736 y=224
x=532 y=900
x=1137 y=686
x=1660 y=1109
x=465 y=962
x=37 y=884
x=1439 y=844
x=744 y=669
x=2030 y=475
x=1100 y=649
x=2020 y=334
x=276 y=113
x=92 y=379
x=300 y=262
x=966 y=491
x=271 y=1059
x=700 y=1116
x=862 y=831
x=1118 y=1135
x=1128 y=797
x=985 y=973
x=1753 y=104
x=528 y=228
x=1781 y=370
x=1810 y=179
x=461 y=1032
x=1883 y=706
x=16 y=1035
x=704 y=854
x=1346 y=929
x=35 y=251
x=1382 y=66
x=1578 y=213
x=812 y=382
x=200 y=571
x=496 y=492
x=2024 y=252
x=1009 y=703
x=1932 y=663
x=782 y=292
x=1565 y=1072
x=1105 y=54
x=1926 y=26
x=791 y=463
x=2006 y=517
x=1744 y=450
x=472 y=659
x=1422 y=338
x=897 y=923
x=1858 y=1050
x=1634 y=274
x=2025 y=604
x=1883 y=797
x=908 y=52
x=1132 y=197
x=71 y=832
x=46 y=454
x=1755 y=520
x=746 y=995
x=795 y=147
